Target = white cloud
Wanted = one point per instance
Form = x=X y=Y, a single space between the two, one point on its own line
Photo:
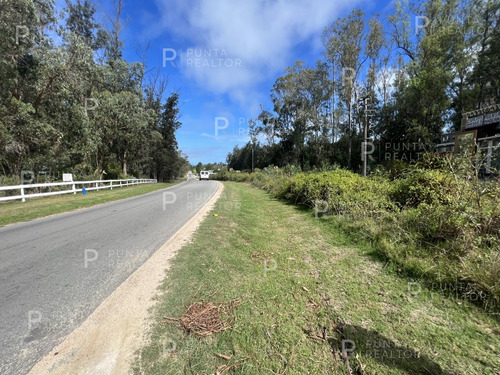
x=260 y=34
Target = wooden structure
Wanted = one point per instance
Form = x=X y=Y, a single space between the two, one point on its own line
x=480 y=132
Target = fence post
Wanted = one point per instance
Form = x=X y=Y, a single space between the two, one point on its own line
x=111 y=185
x=74 y=189
x=97 y=186
x=23 y=199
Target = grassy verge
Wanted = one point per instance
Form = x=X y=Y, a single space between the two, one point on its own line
x=17 y=211
x=305 y=289
x=439 y=225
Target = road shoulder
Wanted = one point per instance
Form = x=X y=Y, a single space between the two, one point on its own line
x=106 y=342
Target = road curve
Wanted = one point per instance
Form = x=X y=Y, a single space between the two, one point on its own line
x=55 y=271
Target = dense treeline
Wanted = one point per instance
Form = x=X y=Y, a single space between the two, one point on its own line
x=418 y=70
x=69 y=102
x=208 y=167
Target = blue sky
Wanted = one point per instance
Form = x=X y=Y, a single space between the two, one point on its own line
x=223 y=57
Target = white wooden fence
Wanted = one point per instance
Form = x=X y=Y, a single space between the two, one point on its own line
x=76 y=186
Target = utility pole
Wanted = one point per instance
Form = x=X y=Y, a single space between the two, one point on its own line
x=253 y=146
x=366 y=101
x=366 y=136
x=333 y=105
x=252 y=134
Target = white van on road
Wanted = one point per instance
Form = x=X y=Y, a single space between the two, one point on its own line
x=204 y=175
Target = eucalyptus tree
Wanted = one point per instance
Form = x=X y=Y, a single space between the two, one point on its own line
x=374 y=44
x=81 y=21
x=484 y=81
x=23 y=44
x=346 y=42
x=166 y=156
x=266 y=124
x=429 y=50
x=331 y=44
x=63 y=108
x=288 y=106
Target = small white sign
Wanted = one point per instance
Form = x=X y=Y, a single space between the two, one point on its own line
x=67 y=177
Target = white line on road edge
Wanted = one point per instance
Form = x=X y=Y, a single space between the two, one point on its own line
x=108 y=340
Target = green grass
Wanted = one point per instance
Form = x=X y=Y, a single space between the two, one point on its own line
x=323 y=286
x=17 y=211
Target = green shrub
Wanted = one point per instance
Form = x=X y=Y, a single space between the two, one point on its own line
x=221 y=176
x=423 y=186
x=436 y=221
x=339 y=192
x=291 y=170
x=9 y=180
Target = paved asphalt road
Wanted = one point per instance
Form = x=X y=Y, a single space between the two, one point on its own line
x=55 y=271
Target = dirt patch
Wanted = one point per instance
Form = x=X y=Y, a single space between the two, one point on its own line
x=106 y=342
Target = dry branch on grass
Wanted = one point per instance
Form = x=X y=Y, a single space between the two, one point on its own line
x=205 y=318
x=225 y=368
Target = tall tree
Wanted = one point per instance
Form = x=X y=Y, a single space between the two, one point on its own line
x=167 y=155
x=347 y=39
x=80 y=21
